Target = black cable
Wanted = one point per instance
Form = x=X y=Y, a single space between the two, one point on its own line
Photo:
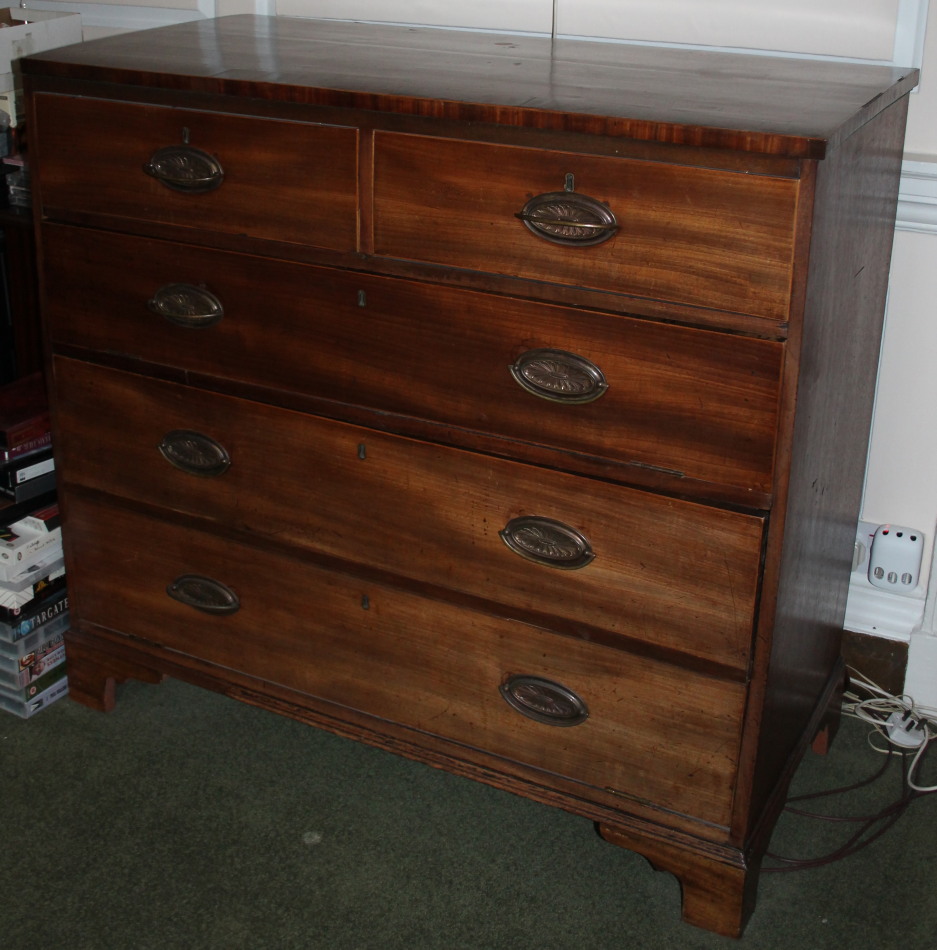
x=888 y=816
x=874 y=777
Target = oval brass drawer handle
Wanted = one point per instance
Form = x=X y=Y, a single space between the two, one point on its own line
x=186 y=169
x=544 y=701
x=559 y=376
x=186 y=306
x=195 y=453
x=548 y=542
x=204 y=593
x=567 y=217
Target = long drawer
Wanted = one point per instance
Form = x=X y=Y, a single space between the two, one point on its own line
x=296 y=182
x=596 y=556
x=700 y=404
x=603 y=717
x=691 y=235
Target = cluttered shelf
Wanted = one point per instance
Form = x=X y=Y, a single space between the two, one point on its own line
x=21 y=31
x=33 y=598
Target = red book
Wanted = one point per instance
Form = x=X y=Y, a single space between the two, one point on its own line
x=25 y=448
x=24 y=411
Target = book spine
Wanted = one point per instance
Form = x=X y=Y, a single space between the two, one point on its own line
x=14 y=604
x=38 y=620
x=27 y=472
x=41 y=660
x=23 y=470
x=31 y=489
x=24 y=448
x=15 y=435
x=36 y=688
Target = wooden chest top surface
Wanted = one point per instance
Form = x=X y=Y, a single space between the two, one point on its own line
x=748 y=103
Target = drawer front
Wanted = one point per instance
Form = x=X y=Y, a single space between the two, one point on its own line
x=700 y=404
x=652 y=732
x=690 y=235
x=284 y=181
x=678 y=575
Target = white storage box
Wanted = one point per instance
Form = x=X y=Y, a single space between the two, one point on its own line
x=30 y=31
x=24 y=31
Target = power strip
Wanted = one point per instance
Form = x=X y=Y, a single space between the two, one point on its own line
x=895 y=558
x=905 y=730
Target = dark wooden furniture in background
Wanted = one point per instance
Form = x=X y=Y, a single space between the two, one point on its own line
x=497 y=402
x=23 y=336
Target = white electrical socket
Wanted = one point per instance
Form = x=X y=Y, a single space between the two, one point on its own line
x=895 y=558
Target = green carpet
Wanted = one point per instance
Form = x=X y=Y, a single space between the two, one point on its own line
x=187 y=821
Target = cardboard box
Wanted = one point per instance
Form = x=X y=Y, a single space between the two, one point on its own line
x=24 y=31
x=31 y=31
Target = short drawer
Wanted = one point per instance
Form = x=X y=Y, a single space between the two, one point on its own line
x=607 y=719
x=286 y=181
x=600 y=559
x=696 y=236
x=698 y=404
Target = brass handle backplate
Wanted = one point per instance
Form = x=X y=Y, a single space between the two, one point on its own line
x=559 y=376
x=204 y=593
x=195 y=453
x=548 y=542
x=186 y=305
x=570 y=218
x=186 y=169
x=544 y=701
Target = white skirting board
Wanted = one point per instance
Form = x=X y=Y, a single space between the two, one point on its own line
x=917 y=199
x=921 y=680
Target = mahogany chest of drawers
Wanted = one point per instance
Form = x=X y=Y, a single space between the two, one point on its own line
x=498 y=402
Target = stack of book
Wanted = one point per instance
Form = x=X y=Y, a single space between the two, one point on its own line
x=33 y=607
x=27 y=469
x=33 y=598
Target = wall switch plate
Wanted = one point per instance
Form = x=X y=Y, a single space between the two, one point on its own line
x=895 y=558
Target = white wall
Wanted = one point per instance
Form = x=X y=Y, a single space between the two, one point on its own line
x=862 y=29
x=527 y=16
x=901 y=484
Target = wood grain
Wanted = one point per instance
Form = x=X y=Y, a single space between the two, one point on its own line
x=746 y=103
x=311 y=631
x=701 y=236
x=670 y=573
x=295 y=182
x=375 y=297
x=837 y=342
x=699 y=404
